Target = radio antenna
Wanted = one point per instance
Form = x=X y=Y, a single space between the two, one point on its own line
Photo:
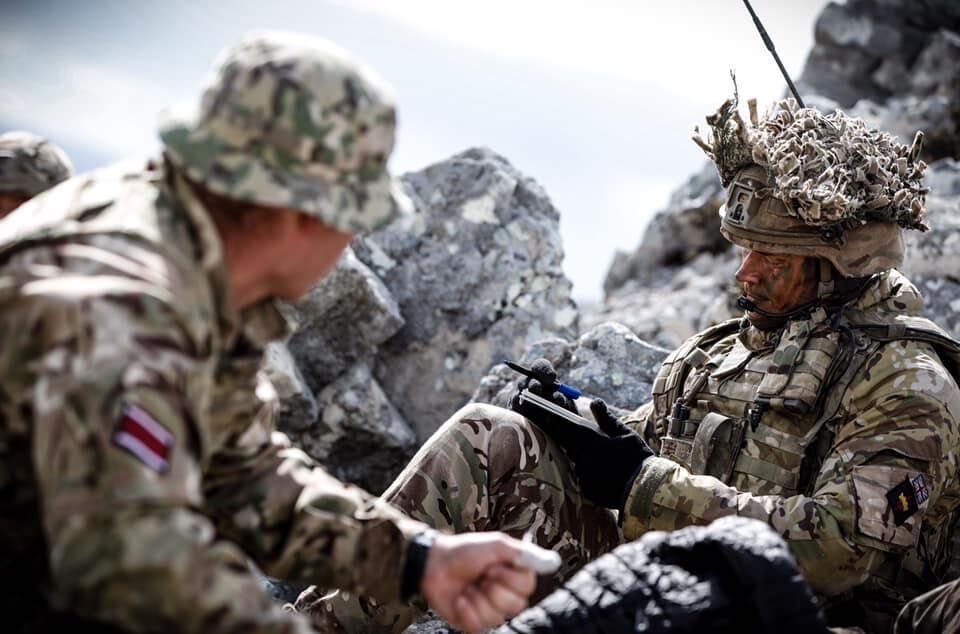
x=773 y=51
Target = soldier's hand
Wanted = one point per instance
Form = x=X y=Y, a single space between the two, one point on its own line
x=476 y=581
x=543 y=383
x=606 y=460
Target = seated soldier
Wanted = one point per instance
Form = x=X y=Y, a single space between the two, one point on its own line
x=29 y=165
x=829 y=411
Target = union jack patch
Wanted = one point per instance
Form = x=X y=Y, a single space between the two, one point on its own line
x=920 y=489
x=140 y=434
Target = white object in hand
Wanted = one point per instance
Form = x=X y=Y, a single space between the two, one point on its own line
x=540 y=560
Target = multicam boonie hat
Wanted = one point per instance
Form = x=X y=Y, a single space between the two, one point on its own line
x=800 y=182
x=30 y=164
x=291 y=120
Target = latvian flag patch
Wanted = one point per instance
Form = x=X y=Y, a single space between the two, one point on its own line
x=144 y=437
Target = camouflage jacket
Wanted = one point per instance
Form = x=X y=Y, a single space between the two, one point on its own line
x=843 y=439
x=136 y=435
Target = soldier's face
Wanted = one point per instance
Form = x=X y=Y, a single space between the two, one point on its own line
x=9 y=202
x=311 y=253
x=777 y=283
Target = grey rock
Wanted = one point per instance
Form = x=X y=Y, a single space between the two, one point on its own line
x=341 y=321
x=841 y=74
x=936 y=253
x=360 y=436
x=680 y=278
x=298 y=406
x=477 y=275
x=697 y=296
x=686 y=228
x=941 y=301
x=845 y=26
x=608 y=362
x=935 y=71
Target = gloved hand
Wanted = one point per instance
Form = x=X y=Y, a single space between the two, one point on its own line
x=544 y=383
x=606 y=460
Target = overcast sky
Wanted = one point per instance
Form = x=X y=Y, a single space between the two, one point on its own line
x=596 y=99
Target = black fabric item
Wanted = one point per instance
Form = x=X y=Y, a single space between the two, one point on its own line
x=606 y=460
x=736 y=575
x=416 y=562
x=933 y=612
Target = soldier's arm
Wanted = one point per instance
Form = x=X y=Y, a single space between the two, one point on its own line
x=105 y=385
x=301 y=524
x=901 y=422
x=643 y=421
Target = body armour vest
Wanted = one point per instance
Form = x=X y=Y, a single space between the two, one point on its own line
x=759 y=410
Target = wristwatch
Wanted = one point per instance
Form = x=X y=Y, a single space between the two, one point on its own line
x=416 y=562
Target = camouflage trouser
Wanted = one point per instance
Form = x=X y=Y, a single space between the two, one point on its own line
x=486 y=468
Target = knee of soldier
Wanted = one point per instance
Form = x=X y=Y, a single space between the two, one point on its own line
x=484 y=424
x=476 y=422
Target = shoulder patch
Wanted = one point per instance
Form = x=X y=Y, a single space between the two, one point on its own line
x=905 y=498
x=140 y=434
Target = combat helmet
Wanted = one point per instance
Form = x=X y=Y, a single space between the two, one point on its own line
x=290 y=120
x=30 y=164
x=804 y=183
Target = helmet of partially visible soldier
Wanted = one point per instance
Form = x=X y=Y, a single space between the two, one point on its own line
x=29 y=165
x=803 y=183
x=294 y=121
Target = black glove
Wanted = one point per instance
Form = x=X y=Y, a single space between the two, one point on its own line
x=544 y=383
x=606 y=460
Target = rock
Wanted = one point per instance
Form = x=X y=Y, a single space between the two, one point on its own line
x=936 y=253
x=608 y=362
x=477 y=275
x=360 y=436
x=900 y=58
x=933 y=257
x=935 y=71
x=697 y=296
x=689 y=226
x=298 y=406
x=682 y=256
x=341 y=321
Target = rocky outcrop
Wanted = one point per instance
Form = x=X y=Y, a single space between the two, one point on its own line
x=395 y=339
x=477 y=273
x=683 y=257
x=893 y=63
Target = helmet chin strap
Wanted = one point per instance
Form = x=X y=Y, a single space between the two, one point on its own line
x=800 y=312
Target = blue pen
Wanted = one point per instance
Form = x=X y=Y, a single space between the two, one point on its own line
x=567 y=390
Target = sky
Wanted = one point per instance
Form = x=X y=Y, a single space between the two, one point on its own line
x=596 y=100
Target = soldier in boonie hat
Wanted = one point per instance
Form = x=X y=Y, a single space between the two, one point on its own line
x=295 y=122
x=29 y=165
x=136 y=304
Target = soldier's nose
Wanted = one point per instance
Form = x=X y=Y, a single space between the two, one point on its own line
x=749 y=271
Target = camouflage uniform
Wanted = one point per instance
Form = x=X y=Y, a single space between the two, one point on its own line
x=839 y=429
x=138 y=464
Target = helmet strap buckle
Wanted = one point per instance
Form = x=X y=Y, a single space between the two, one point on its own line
x=825 y=285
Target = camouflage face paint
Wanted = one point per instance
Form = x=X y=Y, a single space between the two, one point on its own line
x=777 y=283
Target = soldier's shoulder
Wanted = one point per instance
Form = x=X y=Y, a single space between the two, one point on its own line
x=125 y=198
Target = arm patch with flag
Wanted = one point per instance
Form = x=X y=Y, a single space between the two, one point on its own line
x=140 y=434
